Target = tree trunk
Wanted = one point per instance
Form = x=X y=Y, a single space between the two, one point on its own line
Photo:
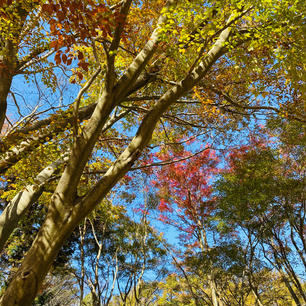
x=82 y=231
x=213 y=291
x=5 y=85
x=8 y=58
x=22 y=290
x=65 y=211
x=95 y=299
x=212 y=284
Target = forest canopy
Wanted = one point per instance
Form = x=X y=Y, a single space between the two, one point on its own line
x=124 y=119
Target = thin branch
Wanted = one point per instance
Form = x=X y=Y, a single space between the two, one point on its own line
x=170 y=161
x=28 y=117
x=33 y=60
x=79 y=97
x=16 y=104
x=111 y=52
x=104 y=40
x=236 y=104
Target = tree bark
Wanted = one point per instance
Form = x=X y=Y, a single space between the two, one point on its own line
x=5 y=85
x=8 y=58
x=65 y=211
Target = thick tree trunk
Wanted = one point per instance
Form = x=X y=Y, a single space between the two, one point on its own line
x=65 y=213
x=25 y=285
x=60 y=221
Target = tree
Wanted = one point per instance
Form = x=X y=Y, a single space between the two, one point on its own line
x=269 y=207
x=57 y=290
x=115 y=254
x=122 y=63
x=186 y=197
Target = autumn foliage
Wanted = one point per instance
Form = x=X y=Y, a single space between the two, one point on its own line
x=99 y=97
x=185 y=188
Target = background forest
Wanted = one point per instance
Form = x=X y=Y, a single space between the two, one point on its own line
x=153 y=152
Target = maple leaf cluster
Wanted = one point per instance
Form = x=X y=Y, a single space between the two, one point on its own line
x=73 y=22
x=186 y=186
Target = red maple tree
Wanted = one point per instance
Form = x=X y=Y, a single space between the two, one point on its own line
x=185 y=190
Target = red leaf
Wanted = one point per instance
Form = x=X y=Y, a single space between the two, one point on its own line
x=80 y=55
x=69 y=61
x=64 y=58
x=57 y=58
x=80 y=75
